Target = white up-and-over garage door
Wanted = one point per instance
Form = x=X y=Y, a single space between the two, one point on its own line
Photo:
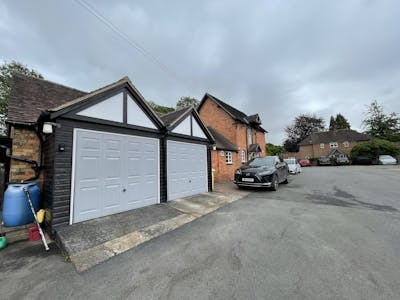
x=113 y=173
x=187 y=169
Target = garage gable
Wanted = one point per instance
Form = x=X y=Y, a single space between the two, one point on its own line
x=119 y=103
x=188 y=123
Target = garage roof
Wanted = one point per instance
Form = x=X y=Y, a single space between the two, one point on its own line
x=221 y=142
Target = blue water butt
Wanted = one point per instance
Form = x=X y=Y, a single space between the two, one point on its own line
x=16 y=209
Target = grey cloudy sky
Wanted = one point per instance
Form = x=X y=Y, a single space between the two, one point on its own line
x=275 y=58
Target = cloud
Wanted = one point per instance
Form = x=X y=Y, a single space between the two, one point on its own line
x=275 y=58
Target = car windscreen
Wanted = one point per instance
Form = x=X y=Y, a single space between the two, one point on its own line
x=385 y=157
x=262 y=161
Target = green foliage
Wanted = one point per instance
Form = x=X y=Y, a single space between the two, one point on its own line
x=272 y=149
x=340 y=122
x=159 y=108
x=6 y=70
x=303 y=125
x=374 y=148
x=380 y=125
x=187 y=101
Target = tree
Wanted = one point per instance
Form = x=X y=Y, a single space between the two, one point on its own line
x=187 y=101
x=303 y=125
x=340 y=122
x=374 y=148
x=272 y=149
x=159 y=108
x=6 y=70
x=380 y=125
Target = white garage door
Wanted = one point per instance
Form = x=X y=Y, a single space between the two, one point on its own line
x=112 y=173
x=187 y=169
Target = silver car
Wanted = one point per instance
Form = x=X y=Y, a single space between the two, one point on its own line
x=386 y=160
x=294 y=166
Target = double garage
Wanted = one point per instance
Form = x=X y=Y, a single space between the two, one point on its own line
x=111 y=153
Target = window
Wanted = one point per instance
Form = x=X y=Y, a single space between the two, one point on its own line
x=228 y=157
x=249 y=139
x=333 y=144
x=322 y=145
x=243 y=156
x=346 y=144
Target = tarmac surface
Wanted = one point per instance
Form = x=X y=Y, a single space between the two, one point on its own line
x=331 y=233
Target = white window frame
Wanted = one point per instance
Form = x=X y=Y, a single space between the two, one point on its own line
x=322 y=145
x=228 y=157
x=333 y=145
x=243 y=156
x=346 y=144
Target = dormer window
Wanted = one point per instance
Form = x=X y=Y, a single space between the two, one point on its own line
x=333 y=145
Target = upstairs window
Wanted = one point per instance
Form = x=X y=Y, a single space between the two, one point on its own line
x=333 y=145
x=346 y=144
x=249 y=137
x=322 y=145
x=243 y=156
x=228 y=157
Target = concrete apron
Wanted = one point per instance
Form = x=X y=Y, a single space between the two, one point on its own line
x=178 y=213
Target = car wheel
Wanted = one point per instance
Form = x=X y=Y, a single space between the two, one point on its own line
x=275 y=183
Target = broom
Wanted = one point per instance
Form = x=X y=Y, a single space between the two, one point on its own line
x=36 y=220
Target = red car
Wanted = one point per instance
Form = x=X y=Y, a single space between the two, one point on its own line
x=304 y=163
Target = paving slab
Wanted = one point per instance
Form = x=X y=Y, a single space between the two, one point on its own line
x=95 y=241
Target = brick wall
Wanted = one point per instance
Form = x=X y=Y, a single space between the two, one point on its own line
x=260 y=139
x=224 y=172
x=216 y=117
x=25 y=143
x=315 y=151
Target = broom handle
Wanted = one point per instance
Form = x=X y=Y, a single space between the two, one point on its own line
x=37 y=222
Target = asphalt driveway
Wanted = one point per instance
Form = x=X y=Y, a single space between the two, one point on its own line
x=331 y=233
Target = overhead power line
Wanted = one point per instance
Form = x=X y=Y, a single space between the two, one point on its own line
x=130 y=41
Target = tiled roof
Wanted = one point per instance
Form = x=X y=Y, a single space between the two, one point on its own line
x=254 y=148
x=30 y=96
x=221 y=142
x=235 y=113
x=170 y=118
x=340 y=135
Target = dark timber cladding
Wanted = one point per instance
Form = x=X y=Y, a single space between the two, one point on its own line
x=58 y=147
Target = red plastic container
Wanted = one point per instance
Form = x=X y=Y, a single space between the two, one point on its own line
x=34 y=234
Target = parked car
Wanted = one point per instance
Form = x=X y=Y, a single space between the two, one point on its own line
x=267 y=171
x=304 y=163
x=294 y=167
x=362 y=160
x=324 y=161
x=342 y=160
x=386 y=160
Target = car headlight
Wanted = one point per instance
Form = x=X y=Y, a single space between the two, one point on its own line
x=238 y=171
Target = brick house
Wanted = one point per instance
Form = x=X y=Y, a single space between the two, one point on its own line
x=238 y=137
x=329 y=143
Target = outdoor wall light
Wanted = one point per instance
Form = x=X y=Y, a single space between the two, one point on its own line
x=48 y=127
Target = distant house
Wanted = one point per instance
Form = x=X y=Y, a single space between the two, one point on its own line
x=330 y=143
x=238 y=137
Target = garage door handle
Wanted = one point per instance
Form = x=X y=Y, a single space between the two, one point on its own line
x=124 y=190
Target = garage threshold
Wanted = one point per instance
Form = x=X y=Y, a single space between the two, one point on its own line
x=95 y=241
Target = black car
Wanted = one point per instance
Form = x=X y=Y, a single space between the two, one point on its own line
x=266 y=171
x=362 y=160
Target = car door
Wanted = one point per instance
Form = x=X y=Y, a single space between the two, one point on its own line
x=281 y=169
